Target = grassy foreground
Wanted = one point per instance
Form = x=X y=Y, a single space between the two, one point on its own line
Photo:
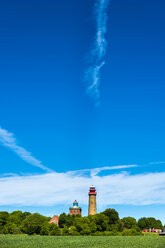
x=22 y=241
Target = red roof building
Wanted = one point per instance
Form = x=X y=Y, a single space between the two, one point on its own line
x=54 y=219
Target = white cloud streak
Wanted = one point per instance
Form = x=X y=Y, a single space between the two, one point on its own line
x=95 y=171
x=8 y=140
x=95 y=57
x=155 y=163
x=61 y=188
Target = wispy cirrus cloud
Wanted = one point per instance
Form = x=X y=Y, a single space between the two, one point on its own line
x=157 y=163
x=95 y=171
x=96 y=55
x=8 y=140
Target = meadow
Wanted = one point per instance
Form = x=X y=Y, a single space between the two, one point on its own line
x=25 y=241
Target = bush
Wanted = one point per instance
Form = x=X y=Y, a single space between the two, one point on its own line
x=136 y=228
x=112 y=233
x=97 y=233
x=73 y=231
x=65 y=231
x=130 y=232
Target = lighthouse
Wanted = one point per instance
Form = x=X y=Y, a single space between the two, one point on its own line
x=75 y=209
x=92 y=201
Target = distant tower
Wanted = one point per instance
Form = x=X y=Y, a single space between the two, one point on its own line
x=75 y=209
x=92 y=201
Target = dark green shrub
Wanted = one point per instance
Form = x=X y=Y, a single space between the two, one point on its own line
x=130 y=232
x=73 y=231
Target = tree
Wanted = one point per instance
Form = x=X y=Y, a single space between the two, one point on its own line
x=11 y=228
x=93 y=227
x=85 y=229
x=69 y=220
x=112 y=215
x=143 y=223
x=45 y=229
x=65 y=231
x=118 y=227
x=16 y=219
x=3 y=218
x=79 y=221
x=54 y=229
x=147 y=223
x=128 y=222
x=62 y=220
x=155 y=223
x=33 y=223
x=25 y=215
x=102 y=222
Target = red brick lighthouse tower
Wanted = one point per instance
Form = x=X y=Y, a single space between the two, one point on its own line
x=75 y=209
x=92 y=200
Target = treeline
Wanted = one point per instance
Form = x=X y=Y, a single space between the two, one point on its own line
x=105 y=223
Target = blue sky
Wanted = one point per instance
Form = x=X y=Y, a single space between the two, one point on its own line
x=45 y=48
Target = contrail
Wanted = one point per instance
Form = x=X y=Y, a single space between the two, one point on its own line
x=8 y=139
x=96 y=55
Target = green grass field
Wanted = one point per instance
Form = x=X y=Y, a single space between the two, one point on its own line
x=22 y=241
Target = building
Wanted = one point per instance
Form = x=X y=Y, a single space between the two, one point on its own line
x=152 y=230
x=92 y=200
x=54 y=220
x=75 y=209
